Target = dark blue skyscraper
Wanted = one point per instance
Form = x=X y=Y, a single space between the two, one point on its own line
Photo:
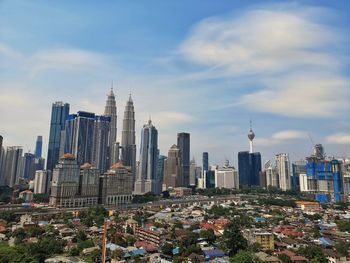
x=59 y=115
x=205 y=160
x=183 y=143
x=38 y=146
x=249 y=168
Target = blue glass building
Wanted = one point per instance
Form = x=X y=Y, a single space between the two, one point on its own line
x=59 y=114
x=205 y=160
x=183 y=143
x=249 y=168
x=38 y=147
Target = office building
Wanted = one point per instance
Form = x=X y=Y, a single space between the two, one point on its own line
x=183 y=143
x=249 y=165
x=59 y=114
x=209 y=176
x=226 y=177
x=193 y=172
x=128 y=138
x=298 y=168
x=86 y=137
x=113 y=145
x=38 y=146
x=272 y=178
x=27 y=167
x=160 y=170
x=12 y=165
x=283 y=170
x=72 y=185
x=205 y=161
x=116 y=185
x=147 y=173
x=42 y=182
x=173 y=169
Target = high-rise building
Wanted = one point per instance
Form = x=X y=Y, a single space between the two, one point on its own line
x=298 y=168
x=160 y=170
x=226 y=177
x=113 y=145
x=272 y=178
x=205 y=161
x=86 y=137
x=193 y=172
x=116 y=185
x=283 y=170
x=147 y=173
x=249 y=164
x=183 y=143
x=42 y=182
x=128 y=138
x=38 y=147
x=173 y=169
x=28 y=167
x=72 y=185
x=2 y=160
x=12 y=165
x=59 y=114
x=65 y=182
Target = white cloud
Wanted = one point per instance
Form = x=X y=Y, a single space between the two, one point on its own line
x=339 y=138
x=287 y=54
x=281 y=137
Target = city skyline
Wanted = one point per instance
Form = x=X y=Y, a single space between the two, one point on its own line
x=207 y=96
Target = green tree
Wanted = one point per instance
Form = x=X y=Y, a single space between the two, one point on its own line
x=313 y=253
x=208 y=235
x=74 y=252
x=342 y=248
x=245 y=257
x=284 y=258
x=232 y=239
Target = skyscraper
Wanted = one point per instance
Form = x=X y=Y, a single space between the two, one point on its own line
x=160 y=170
x=249 y=165
x=193 y=172
x=183 y=143
x=128 y=137
x=38 y=146
x=12 y=165
x=283 y=170
x=205 y=160
x=147 y=172
x=86 y=137
x=173 y=169
x=42 y=182
x=113 y=145
x=59 y=115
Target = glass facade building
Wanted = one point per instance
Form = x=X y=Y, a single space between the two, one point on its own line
x=249 y=168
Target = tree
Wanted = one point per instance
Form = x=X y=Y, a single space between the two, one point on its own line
x=81 y=235
x=167 y=249
x=208 y=235
x=342 y=248
x=313 y=253
x=284 y=258
x=232 y=239
x=245 y=257
x=74 y=252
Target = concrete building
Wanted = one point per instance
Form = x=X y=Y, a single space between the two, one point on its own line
x=59 y=114
x=42 y=181
x=226 y=177
x=147 y=180
x=283 y=170
x=128 y=138
x=272 y=178
x=88 y=189
x=26 y=195
x=12 y=165
x=263 y=238
x=173 y=169
x=116 y=185
x=65 y=182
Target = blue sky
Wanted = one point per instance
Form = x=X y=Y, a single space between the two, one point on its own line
x=205 y=67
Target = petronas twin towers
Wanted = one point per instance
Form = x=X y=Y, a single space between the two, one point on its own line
x=128 y=146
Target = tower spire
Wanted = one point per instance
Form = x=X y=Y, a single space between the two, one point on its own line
x=251 y=136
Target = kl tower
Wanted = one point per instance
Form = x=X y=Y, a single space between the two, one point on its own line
x=251 y=136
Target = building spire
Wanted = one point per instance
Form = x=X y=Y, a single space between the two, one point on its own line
x=251 y=136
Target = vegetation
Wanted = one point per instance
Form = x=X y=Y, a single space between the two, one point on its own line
x=246 y=257
x=232 y=239
x=343 y=225
x=148 y=197
x=313 y=253
x=41 y=198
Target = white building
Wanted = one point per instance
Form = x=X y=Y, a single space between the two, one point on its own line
x=271 y=175
x=226 y=177
x=283 y=170
x=42 y=182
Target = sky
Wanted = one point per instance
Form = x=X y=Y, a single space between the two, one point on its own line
x=198 y=66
